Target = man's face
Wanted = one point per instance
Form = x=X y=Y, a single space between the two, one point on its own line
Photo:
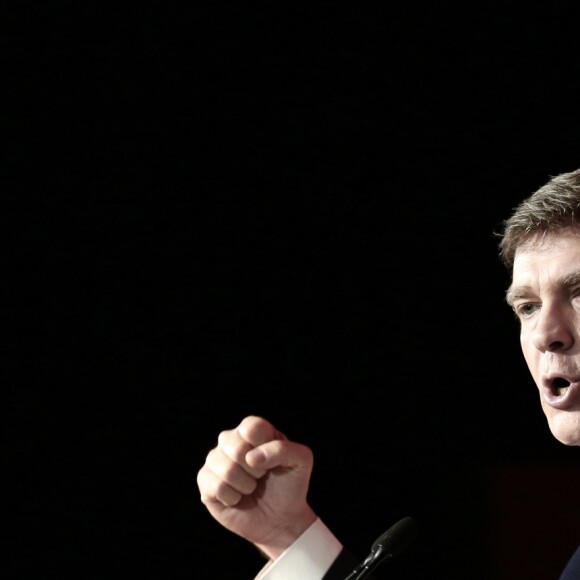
x=545 y=293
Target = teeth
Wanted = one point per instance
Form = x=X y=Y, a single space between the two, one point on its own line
x=562 y=390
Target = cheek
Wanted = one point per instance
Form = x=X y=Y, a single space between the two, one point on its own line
x=531 y=355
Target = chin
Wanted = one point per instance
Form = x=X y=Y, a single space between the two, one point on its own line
x=566 y=429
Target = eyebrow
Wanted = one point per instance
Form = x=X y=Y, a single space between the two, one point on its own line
x=515 y=292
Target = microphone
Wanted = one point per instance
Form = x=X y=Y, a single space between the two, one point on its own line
x=388 y=545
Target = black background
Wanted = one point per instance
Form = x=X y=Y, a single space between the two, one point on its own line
x=276 y=208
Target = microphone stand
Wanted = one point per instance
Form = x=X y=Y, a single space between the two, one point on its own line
x=369 y=564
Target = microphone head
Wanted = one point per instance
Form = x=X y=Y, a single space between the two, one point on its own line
x=396 y=538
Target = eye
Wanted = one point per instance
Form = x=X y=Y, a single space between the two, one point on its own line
x=526 y=309
x=576 y=296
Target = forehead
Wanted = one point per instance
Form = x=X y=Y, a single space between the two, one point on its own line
x=548 y=258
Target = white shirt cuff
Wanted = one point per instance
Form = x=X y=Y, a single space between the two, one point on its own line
x=308 y=558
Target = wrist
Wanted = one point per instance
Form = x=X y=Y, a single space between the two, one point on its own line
x=282 y=538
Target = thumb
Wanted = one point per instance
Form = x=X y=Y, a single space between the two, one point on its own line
x=280 y=453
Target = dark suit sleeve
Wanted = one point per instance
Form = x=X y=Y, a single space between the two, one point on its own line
x=572 y=570
x=344 y=564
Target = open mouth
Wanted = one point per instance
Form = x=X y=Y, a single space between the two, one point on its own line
x=560 y=386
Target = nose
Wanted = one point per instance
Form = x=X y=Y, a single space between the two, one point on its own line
x=554 y=331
